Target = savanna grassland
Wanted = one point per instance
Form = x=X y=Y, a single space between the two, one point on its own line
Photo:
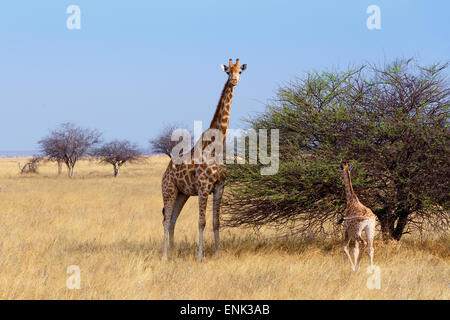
x=112 y=229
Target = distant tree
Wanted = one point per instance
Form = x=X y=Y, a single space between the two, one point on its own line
x=52 y=148
x=390 y=122
x=163 y=143
x=117 y=153
x=30 y=166
x=68 y=143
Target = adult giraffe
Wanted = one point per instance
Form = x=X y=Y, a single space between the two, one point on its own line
x=200 y=178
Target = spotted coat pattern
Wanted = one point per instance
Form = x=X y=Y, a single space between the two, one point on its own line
x=200 y=178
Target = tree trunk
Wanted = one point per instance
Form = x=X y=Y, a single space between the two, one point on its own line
x=59 y=167
x=70 y=171
x=116 y=171
x=387 y=228
x=387 y=221
x=401 y=224
x=392 y=225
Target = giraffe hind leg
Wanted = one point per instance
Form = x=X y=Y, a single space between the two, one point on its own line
x=168 y=208
x=178 y=205
x=169 y=196
x=347 y=248
x=357 y=253
x=370 y=234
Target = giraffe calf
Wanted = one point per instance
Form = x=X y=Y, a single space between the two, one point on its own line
x=357 y=218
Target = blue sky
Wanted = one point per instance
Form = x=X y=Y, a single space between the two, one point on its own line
x=136 y=65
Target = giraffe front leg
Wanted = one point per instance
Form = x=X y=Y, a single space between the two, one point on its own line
x=166 y=223
x=217 y=198
x=202 y=202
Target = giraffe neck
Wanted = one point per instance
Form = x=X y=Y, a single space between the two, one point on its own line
x=222 y=114
x=349 y=193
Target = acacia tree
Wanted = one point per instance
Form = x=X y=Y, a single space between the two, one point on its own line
x=390 y=122
x=118 y=153
x=68 y=143
x=162 y=143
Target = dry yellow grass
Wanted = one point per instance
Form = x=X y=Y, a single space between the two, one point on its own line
x=111 y=228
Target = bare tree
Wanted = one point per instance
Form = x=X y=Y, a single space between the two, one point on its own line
x=52 y=147
x=31 y=166
x=118 y=153
x=69 y=143
x=163 y=143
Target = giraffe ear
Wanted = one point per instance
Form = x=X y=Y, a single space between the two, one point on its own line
x=224 y=67
x=244 y=66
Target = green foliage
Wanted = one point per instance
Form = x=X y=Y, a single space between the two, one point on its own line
x=390 y=122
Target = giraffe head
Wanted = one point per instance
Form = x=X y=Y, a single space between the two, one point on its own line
x=234 y=71
x=344 y=167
